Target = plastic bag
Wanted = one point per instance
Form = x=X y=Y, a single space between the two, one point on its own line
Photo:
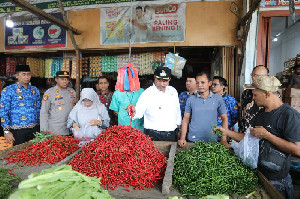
x=175 y=63
x=128 y=79
x=86 y=133
x=247 y=149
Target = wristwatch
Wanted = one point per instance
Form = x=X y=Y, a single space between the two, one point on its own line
x=6 y=132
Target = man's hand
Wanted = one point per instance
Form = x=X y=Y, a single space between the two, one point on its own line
x=223 y=130
x=131 y=110
x=259 y=132
x=181 y=142
x=95 y=122
x=9 y=137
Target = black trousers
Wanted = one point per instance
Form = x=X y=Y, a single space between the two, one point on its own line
x=23 y=135
x=162 y=135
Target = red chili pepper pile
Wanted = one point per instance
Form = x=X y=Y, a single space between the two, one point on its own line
x=122 y=156
x=49 y=152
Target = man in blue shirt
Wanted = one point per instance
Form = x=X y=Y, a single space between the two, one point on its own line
x=191 y=90
x=20 y=108
x=218 y=87
x=202 y=109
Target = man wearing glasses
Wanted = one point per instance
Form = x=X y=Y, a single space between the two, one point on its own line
x=218 y=87
x=248 y=106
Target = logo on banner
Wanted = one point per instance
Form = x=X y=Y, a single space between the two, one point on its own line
x=38 y=32
x=54 y=31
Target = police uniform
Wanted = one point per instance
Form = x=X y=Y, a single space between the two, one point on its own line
x=56 y=105
x=20 y=109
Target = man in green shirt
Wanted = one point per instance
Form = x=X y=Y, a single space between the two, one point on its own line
x=119 y=103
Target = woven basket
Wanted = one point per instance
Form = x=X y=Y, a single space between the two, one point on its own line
x=4 y=144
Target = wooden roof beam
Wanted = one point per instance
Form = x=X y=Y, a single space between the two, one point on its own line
x=36 y=11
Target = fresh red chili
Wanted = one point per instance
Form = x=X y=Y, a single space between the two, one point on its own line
x=49 y=152
x=122 y=156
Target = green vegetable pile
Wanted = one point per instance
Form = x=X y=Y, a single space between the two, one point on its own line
x=5 y=182
x=60 y=182
x=41 y=136
x=209 y=169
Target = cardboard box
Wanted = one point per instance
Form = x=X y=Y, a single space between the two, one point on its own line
x=292 y=92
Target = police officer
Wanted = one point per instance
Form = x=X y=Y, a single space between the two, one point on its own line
x=57 y=103
x=20 y=108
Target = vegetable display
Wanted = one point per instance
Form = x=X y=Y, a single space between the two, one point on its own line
x=59 y=182
x=48 y=152
x=5 y=179
x=122 y=156
x=209 y=169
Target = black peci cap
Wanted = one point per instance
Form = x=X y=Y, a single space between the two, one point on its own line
x=22 y=68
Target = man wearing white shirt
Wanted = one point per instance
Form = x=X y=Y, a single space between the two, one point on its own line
x=159 y=104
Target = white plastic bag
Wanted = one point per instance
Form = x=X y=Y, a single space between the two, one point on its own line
x=247 y=149
x=87 y=132
x=175 y=63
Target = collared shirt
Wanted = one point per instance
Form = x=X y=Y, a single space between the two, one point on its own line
x=20 y=107
x=203 y=116
x=56 y=105
x=120 y=101
x=161 y=110
x=183 y=96
x=231 y=109
x=105 y=98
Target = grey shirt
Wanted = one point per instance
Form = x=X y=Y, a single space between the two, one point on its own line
x=203 y=115
x=56 y=106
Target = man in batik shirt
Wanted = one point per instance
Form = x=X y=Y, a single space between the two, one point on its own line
x=190 y=90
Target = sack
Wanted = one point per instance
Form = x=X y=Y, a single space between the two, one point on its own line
x=271 y=158
x=247 y=149
x=86 y=133
x=128 y=79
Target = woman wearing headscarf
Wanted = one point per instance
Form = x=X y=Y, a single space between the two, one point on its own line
x=89 y=116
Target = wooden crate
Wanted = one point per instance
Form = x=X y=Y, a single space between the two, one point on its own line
x=267 y=186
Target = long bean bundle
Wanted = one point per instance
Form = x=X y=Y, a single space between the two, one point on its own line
x=209 y=169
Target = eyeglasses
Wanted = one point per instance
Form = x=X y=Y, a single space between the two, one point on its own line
x=215 y=84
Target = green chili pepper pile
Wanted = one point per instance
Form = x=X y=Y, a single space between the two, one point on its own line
x=5 y=178
x=209 y=169
x=217 y=132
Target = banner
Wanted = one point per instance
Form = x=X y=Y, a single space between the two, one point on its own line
x=150 y=23
x=51 y=6
x=273 y=3
x=32 y=32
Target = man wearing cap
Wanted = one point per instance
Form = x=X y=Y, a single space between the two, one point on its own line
x=57 y=103
x=279 y=130
x=20 y=108
x=159 y=104
x=201 y=113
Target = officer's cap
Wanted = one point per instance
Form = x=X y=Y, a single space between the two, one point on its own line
x=62 y=74
x=163 y=73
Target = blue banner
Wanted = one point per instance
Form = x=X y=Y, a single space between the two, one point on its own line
x=32 y=32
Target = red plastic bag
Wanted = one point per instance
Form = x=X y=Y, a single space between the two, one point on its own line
x=128 y=79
